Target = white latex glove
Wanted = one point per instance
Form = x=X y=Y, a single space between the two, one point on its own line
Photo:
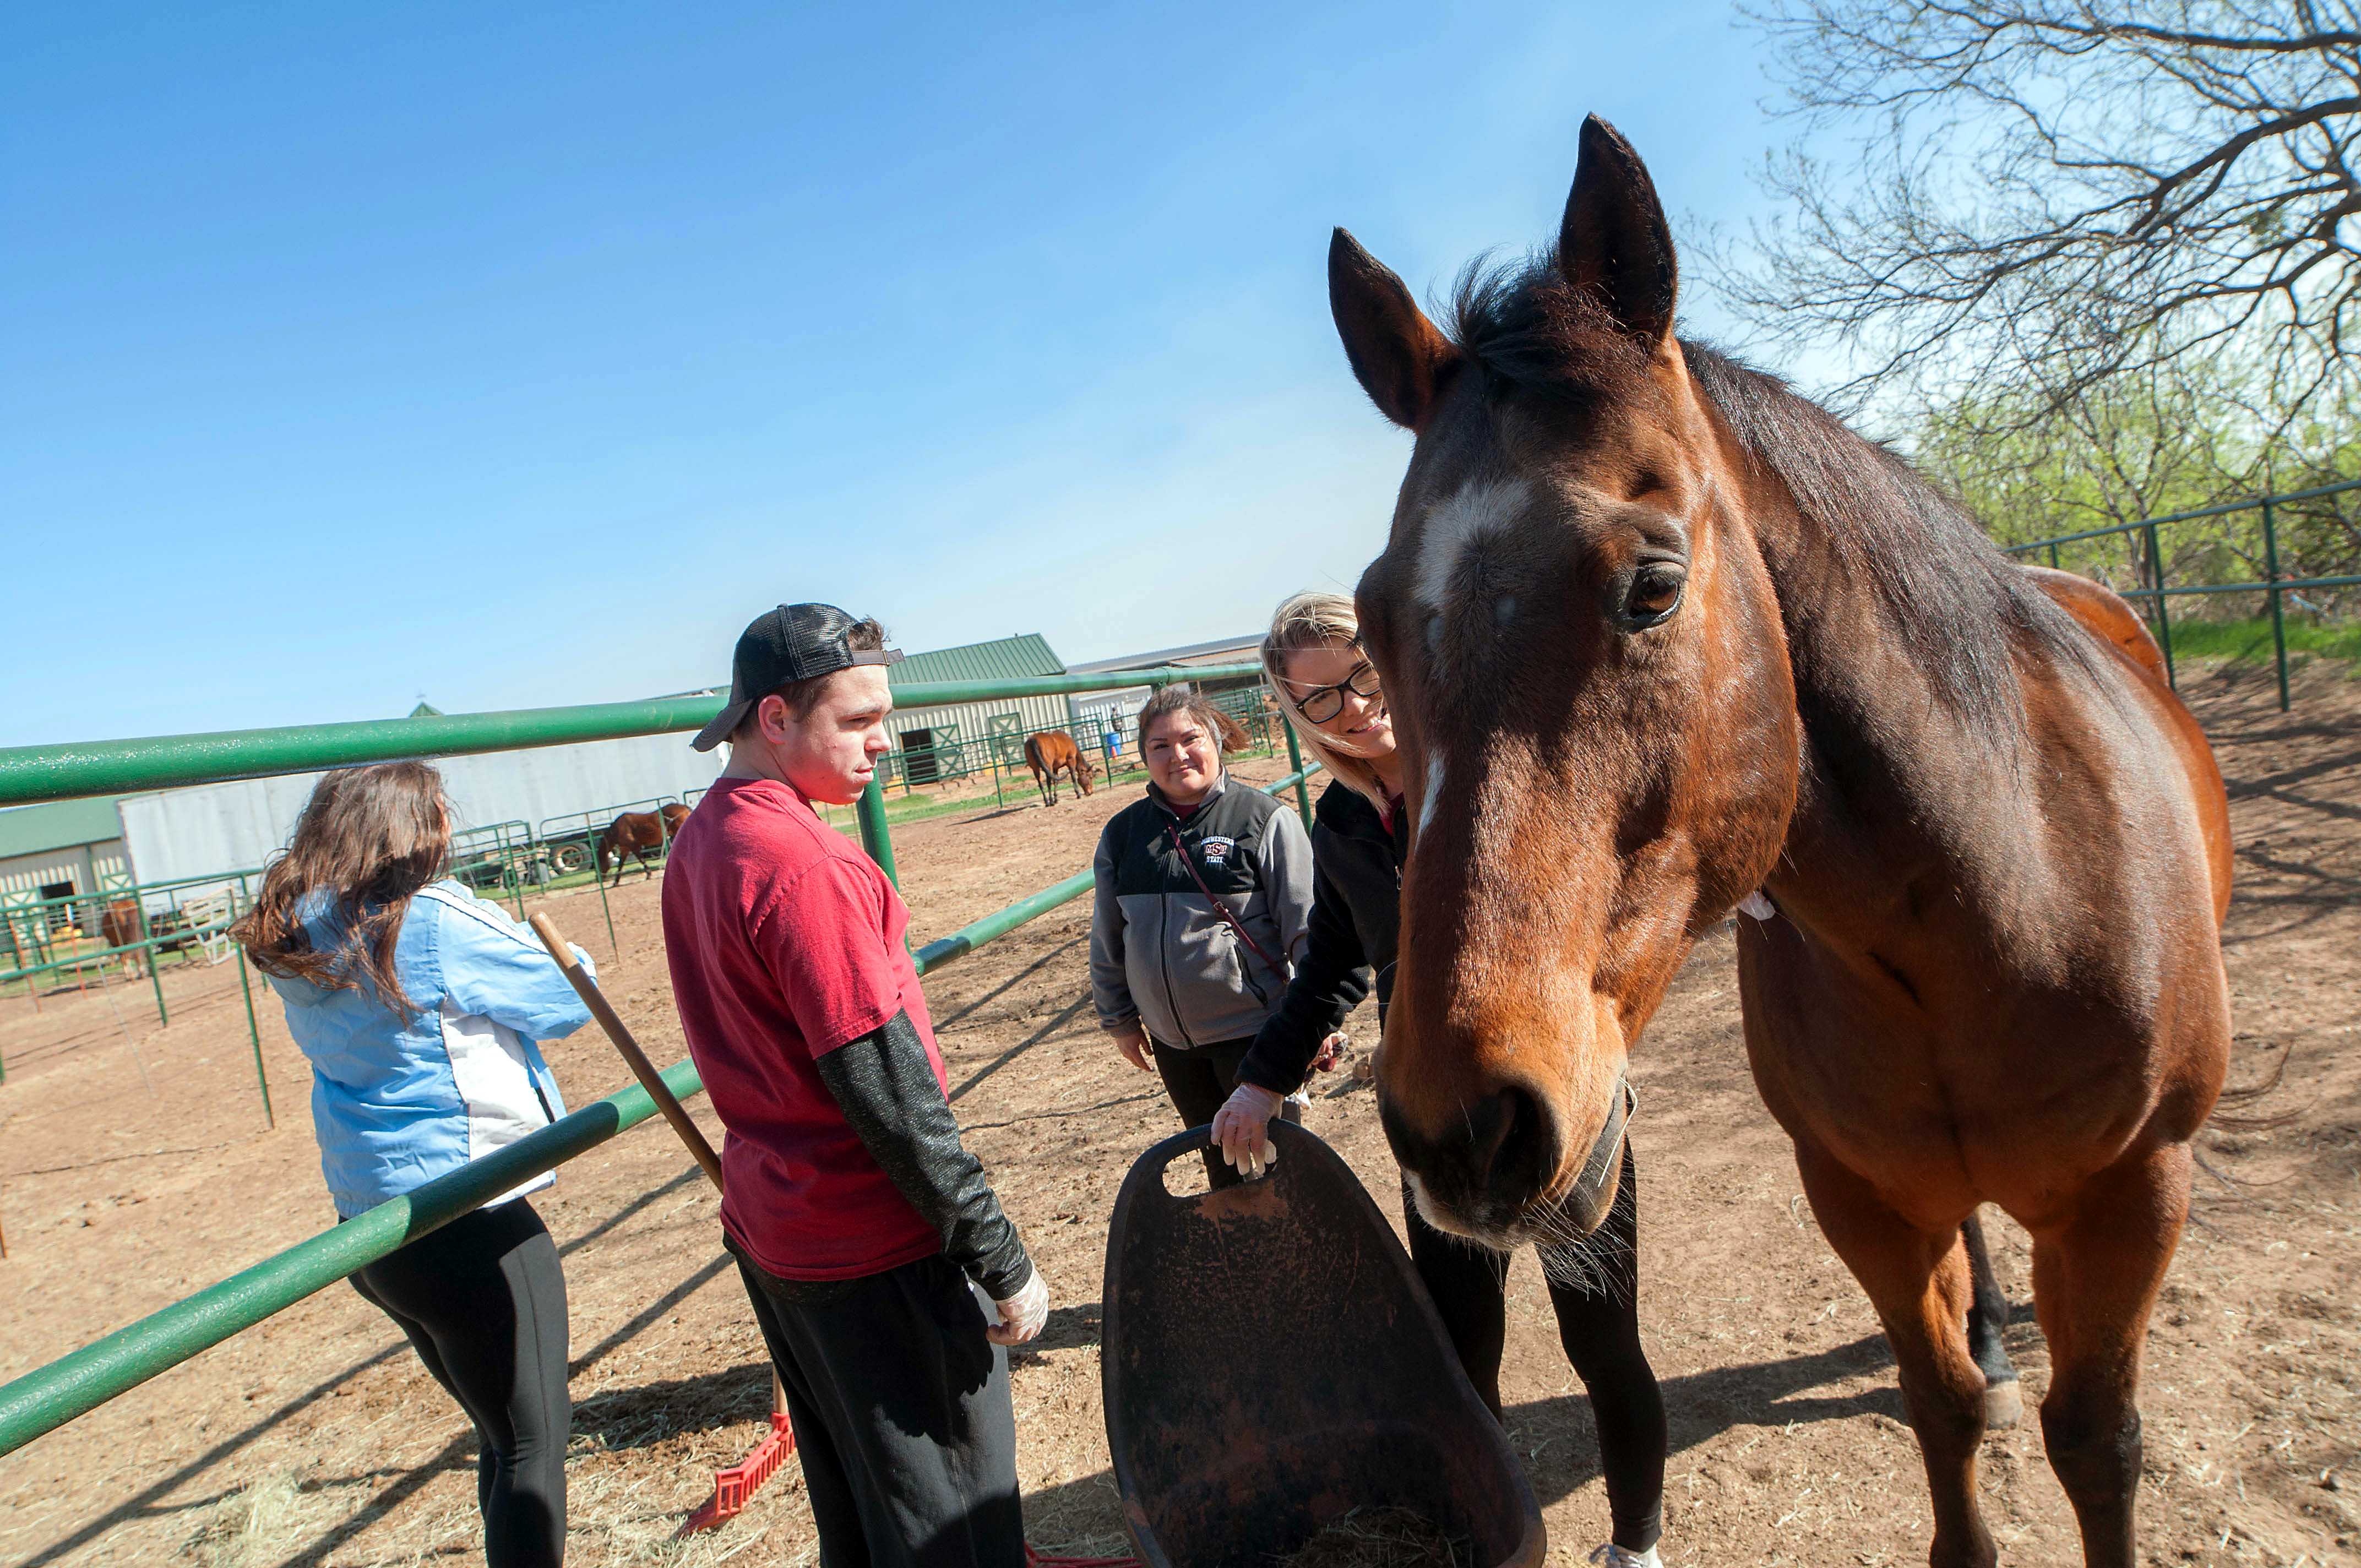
x=1242 y=1128
x=1132 y=1041
x=1023 y=1315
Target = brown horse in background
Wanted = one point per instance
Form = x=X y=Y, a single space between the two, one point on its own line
x=639 y=834
x=1659 y=636
x=119 y=926
x=1050 y=752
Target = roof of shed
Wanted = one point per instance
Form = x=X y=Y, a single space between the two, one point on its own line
x=58 y=825
x=1008 y=659
x=1244 y=649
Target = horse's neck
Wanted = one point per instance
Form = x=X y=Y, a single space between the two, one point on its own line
x=1896 y=793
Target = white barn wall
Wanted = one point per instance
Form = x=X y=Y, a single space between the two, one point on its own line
x=208 y=829
x=91 y=868
x=1037 y=713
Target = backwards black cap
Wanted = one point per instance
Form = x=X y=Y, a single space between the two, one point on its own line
x=793 y=643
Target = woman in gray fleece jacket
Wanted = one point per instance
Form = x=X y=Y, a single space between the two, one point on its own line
x=1205 y=895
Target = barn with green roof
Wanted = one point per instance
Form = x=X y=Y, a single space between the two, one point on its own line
x=61 y=848
x=943 y=741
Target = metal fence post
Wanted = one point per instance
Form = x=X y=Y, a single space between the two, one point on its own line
x=2279 y=623
x=154 y=979
x=598 y=879
x=253 y=1030
x=876 y=837
x=1295 y=761
x=2163 y=621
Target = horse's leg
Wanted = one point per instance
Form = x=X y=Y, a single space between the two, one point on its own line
x=1987 y=1319
x=2094 y=1282
x=1917 y=1281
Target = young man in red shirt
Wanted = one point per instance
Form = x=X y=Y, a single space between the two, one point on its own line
x=886 y=1278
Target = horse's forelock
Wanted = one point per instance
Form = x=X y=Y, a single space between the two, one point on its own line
x=1528 y=327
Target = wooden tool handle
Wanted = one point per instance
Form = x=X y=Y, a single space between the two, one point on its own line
x=642 y=1069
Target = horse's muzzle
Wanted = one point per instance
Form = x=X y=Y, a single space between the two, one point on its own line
x=1493 y=1182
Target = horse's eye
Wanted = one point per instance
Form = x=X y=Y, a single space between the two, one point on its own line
x=1652 y=594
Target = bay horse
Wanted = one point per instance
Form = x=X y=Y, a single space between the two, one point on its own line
x=637 y=834
x=1050 y=752
x=1663 y=639
x=119 y=926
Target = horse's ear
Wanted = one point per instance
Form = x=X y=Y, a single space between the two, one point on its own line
x=1615 y=242
x=1400 y=360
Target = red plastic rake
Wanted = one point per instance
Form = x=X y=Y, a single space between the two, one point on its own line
x=732 y=1487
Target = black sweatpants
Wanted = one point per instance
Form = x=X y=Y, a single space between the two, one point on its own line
x=483 y=1302
x=1595 y=1288
x=901 y=1412
x=1200 y=1079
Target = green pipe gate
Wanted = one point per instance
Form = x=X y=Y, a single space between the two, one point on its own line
x=48 y=1397
x=2273 y=586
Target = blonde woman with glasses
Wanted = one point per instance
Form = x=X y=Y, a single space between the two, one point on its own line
x=1332 y=696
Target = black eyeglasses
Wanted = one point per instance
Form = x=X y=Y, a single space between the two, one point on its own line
x=1324 y=703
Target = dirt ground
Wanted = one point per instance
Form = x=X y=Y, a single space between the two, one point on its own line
x=134 y=1168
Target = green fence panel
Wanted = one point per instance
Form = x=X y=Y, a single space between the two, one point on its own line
x=45 y=1400
x=48 y=1398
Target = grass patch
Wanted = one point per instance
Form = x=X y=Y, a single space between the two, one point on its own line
x=2249 y=642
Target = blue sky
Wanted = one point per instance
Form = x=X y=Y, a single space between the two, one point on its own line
x=517 y=356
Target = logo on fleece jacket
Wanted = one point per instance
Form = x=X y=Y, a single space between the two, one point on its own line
x=1217 y=851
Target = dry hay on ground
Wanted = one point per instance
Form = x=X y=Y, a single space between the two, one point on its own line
x=1382 y=1536
x=316 y=1438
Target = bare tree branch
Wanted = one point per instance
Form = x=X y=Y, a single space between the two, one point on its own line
x=2064 y=190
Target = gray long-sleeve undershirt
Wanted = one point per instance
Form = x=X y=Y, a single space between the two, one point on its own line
x=888 y=1092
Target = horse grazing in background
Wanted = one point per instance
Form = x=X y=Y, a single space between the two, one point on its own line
x=1048 y=753
x=1661 y=638
x=639 y=834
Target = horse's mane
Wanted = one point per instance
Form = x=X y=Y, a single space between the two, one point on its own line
x=1957 y=604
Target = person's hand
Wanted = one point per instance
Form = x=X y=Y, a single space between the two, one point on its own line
x=1023 y=1314
x=1331 y=1052
x=1132 y=1041
x=1242 y=1128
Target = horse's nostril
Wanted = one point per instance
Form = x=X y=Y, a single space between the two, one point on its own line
x=1511 y=1150
x=1493 y=1159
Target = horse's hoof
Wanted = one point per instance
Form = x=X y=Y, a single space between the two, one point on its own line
x=2003 y=1406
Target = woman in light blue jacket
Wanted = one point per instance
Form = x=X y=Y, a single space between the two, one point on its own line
x=421 y=1008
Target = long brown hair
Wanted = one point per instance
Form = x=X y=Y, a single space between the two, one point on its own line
x=369 y=840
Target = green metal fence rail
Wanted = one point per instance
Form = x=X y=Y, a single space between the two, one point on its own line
x=77 y=768
x=49 y=1396
x=2272 y=585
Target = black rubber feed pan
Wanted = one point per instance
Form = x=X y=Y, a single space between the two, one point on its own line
x=1272 y=1362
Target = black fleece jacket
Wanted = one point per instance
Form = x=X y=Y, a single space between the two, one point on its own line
x=1355 y=927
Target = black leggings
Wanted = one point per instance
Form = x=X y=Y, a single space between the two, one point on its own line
x=1596 y=1290
x=483 y=1302
x=1199 y=1080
